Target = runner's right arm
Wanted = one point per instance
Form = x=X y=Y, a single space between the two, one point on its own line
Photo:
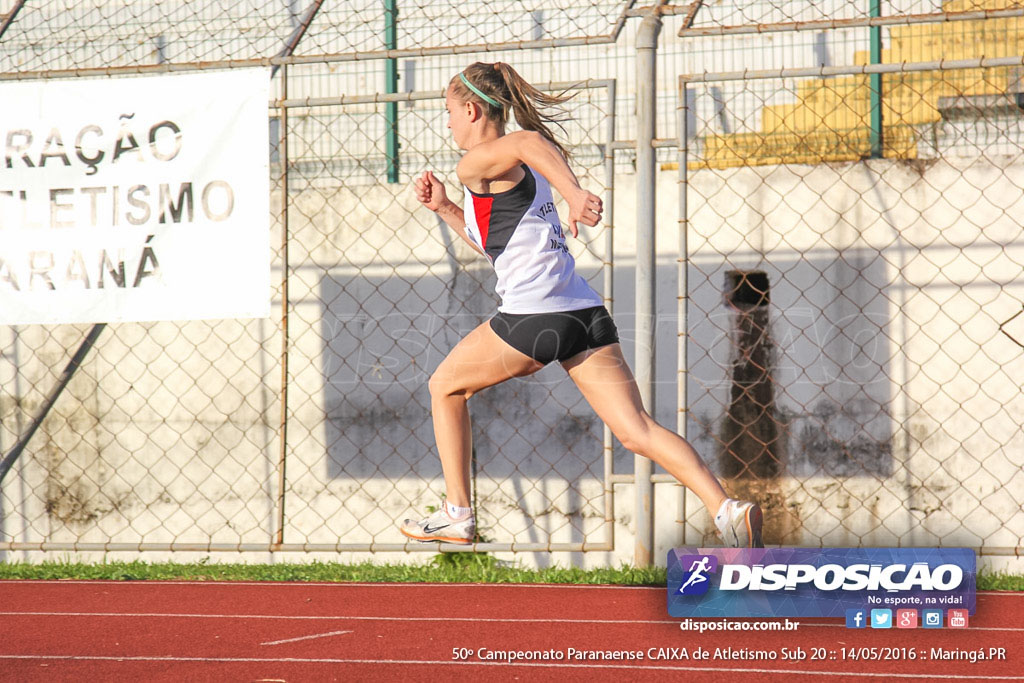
x=431 y=193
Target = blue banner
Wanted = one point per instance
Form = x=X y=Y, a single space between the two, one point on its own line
x=818 y=582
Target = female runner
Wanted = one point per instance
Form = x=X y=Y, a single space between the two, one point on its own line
x=547 y=312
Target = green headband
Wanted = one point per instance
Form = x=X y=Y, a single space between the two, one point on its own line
x=486 y=98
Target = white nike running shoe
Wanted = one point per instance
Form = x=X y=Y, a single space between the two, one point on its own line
x=440 y=527
x=741 y=527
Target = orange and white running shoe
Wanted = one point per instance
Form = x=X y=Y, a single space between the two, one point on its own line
x=440 y=527
x=741 y=527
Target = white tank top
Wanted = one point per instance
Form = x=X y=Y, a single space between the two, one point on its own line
x=520 y=232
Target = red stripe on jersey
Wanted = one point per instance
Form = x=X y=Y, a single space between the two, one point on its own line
x=482 y=211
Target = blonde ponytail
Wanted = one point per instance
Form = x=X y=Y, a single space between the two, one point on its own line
x=534 y=110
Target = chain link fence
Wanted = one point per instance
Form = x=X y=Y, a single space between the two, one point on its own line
x=848 y=352
x=848 y=274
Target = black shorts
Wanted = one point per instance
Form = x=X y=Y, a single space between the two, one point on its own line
x=547 y=337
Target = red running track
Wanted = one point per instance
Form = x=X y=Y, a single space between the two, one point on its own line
x=163 y=631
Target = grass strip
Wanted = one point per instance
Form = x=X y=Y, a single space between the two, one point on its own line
x=442 y=568
x=1000 y=581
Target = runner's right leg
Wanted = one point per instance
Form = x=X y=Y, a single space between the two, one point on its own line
x=480 y=360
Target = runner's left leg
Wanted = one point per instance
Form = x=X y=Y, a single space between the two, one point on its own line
x=605 y=380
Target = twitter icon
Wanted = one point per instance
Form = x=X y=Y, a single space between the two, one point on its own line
x=881 y=618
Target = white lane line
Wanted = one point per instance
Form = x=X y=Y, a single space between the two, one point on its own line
x=970 y=628
x=331 y=584
x=437 y=619
x=295 y=640
x=364 y=584
x=434 y=662
x=334 y=618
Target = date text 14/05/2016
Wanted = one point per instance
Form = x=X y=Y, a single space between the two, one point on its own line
x=734 y=654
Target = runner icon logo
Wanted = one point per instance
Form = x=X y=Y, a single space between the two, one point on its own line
x=696 y=580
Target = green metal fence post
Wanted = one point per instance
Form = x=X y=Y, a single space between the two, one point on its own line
x=876 y=84
x=391 y=86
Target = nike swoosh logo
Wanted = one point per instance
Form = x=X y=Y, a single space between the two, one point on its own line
x=428 y=530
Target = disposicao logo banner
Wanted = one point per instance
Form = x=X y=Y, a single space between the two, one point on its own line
x=817 y=582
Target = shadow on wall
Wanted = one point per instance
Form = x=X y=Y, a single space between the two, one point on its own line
x=790 y=369
x=750 y=434
x=800 y=384
x=383 y=337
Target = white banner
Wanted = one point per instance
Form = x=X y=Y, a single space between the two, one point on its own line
x=135 y=199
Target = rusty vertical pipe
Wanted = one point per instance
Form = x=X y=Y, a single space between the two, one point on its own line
x=646 y=112
x=283 y=429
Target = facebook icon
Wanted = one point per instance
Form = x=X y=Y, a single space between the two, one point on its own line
x=856 y=618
